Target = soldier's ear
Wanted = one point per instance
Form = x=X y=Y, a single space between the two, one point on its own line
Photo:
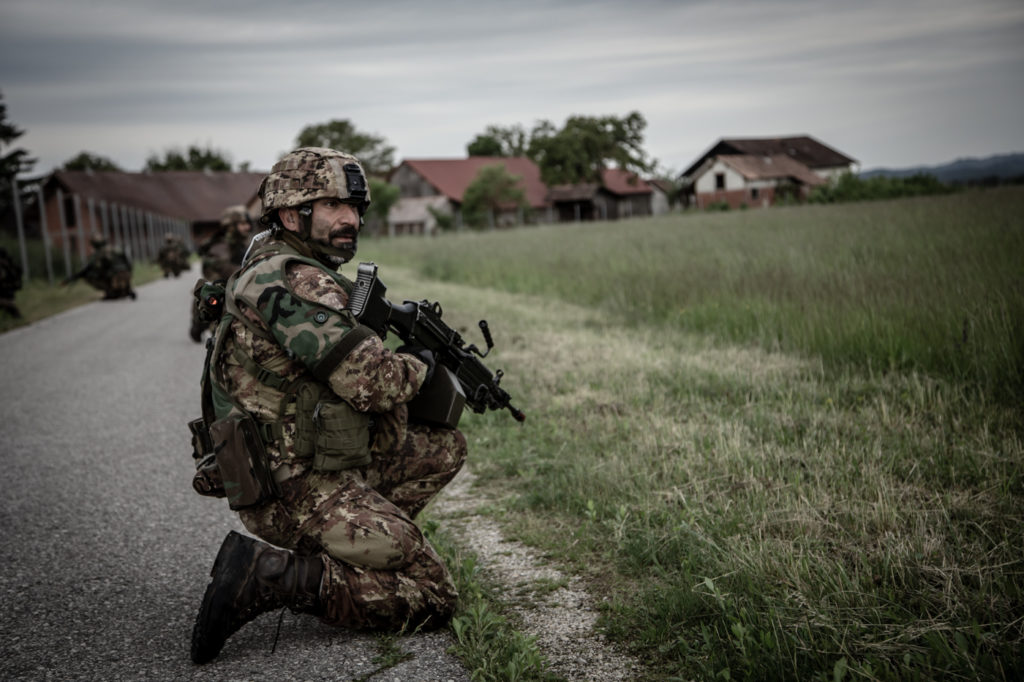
x=289 y=218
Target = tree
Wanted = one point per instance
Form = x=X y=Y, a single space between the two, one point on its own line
x=493 y=189
x=12 y=161
x=193 y=159
x=383 y=195
x=669 y=178
x=498 y=141
x=373 y=152
x=88 y=161
x=586 y=145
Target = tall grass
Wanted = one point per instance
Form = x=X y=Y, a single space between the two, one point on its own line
x=765 y=490
x=929 y=284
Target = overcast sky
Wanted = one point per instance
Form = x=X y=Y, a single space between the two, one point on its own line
x=891 y=83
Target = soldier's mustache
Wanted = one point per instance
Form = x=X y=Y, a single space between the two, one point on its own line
x=344 y=232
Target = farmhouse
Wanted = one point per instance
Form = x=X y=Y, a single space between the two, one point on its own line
x=761 y=171
x=432 y=187
x=135 y=210
x=620 y=194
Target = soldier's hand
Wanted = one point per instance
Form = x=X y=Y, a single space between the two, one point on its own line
x=422 y=354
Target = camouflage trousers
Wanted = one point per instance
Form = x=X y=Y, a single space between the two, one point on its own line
x=380 y=572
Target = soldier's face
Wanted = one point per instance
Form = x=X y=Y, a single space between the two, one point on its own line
x=334 y=223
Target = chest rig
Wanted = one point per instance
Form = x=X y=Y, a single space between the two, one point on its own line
x=328 y=434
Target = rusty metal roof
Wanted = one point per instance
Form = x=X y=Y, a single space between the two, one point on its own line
x=771 y=167
x=613 y=180
x=803 y=148
x=451 y=177
x=191 y=195
x=619 y=181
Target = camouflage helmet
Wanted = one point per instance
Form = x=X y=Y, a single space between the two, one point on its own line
x=97 y=240
x=311 y=173
x=234 y=214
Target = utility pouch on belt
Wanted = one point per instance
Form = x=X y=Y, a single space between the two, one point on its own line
x=342 y=436
x=201 y=444
x=242 y=461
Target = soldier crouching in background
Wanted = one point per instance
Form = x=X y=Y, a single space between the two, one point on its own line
x=221 y=255
x=173 y=256
x=109 y=269
x=10 y=282
x=306 y=410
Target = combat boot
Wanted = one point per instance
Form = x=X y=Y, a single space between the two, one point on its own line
x=249 y=578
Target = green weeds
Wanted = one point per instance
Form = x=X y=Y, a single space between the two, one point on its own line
x=751 y=433
x=485 y=640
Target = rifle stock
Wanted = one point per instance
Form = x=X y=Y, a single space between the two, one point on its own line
x=419 y=323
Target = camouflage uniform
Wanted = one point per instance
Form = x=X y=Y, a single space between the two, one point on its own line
x=221 y=255
x=173 y=256
x=10 y=282
x=109 y=269
x=376 y=568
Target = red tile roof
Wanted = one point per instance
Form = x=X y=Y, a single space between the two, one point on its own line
x=451 y=177
x=192 y=195
x=618 y=181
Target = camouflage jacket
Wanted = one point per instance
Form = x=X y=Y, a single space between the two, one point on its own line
x=296 y=326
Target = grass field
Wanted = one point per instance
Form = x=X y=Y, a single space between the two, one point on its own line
x=785 y=444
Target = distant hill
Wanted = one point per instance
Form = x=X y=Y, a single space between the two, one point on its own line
x=998 y=168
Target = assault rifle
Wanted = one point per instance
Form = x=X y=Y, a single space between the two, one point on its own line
x=459 y=376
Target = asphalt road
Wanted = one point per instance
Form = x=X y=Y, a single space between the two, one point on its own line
x=106 y=550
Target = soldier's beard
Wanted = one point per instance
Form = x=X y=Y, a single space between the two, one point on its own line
x=337 y=255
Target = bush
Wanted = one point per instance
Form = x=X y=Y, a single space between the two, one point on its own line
x=849 y=187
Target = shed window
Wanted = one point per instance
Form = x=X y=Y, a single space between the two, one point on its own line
x=719 y=180
x=755 y=192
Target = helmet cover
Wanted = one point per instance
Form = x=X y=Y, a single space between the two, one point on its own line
x=311 y=173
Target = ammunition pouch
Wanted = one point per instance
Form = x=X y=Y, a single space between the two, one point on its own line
x=207 y=480
x=342 y=436
x=242 y=461
x=329 y=430
x=440 y=401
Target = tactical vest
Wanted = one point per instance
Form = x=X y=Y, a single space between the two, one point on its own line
x=327 y=429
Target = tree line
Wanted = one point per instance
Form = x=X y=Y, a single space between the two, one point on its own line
x=575 y=152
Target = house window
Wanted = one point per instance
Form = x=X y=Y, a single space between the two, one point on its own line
x=719 y=180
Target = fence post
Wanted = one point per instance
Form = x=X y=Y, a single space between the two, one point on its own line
x=138 y=236
x=115 y=220
x=90 y=206
x=44 y=228
x=104 y=211
x=16 y=195
x=81 y=229
x=64 y=240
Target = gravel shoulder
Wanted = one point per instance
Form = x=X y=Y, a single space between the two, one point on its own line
x=563 y=619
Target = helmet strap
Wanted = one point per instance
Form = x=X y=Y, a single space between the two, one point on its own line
x=306 y=221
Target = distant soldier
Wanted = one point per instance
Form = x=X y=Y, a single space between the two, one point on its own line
x=109 y=269
x=10 y=282
x=173 y=255
x=222 y=253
